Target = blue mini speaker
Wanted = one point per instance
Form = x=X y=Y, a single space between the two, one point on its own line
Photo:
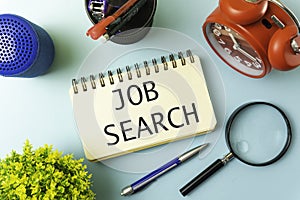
x=26 y=50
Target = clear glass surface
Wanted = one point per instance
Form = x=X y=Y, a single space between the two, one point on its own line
x=258 y=134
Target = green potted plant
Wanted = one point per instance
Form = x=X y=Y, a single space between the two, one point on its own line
x=43 y=173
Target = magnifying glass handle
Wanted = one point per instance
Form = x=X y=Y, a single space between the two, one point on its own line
x=215 y=166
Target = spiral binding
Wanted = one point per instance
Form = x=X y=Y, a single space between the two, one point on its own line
x=92 y=79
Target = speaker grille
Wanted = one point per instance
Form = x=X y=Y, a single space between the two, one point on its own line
x=18 y=45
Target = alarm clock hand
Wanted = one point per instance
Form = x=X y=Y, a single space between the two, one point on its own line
x=237 y=47
x=245 y=53
x=235 y=43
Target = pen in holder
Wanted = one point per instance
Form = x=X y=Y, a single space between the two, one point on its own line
x=131 y=22
x=26 y=50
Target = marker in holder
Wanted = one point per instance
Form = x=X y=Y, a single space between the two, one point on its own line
x=132 y=26
x=26 y=50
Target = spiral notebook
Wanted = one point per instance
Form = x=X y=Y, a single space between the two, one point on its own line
x=141 y=106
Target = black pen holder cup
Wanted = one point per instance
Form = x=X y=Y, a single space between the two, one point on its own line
x=137 y=28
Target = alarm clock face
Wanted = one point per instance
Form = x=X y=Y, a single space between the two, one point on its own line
x=235 y=50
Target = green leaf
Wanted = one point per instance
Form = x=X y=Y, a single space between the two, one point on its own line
x=43 y=173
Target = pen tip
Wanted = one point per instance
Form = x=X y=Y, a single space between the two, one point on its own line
x=202 y=146
x=192 y=152
x=205 y=144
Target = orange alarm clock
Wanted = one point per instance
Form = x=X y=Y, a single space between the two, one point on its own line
x=254 y=36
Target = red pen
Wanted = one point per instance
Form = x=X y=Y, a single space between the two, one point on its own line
x=100 y=28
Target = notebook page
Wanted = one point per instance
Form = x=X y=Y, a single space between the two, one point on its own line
x=145 y=111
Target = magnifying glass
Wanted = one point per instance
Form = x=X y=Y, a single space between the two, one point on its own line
x=257 y=134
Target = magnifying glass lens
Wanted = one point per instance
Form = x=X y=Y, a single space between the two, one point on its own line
x=258 y=134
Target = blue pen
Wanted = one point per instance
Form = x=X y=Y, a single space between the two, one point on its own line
x=160 y=171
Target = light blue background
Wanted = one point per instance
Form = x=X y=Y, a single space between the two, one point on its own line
x=39 y=109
